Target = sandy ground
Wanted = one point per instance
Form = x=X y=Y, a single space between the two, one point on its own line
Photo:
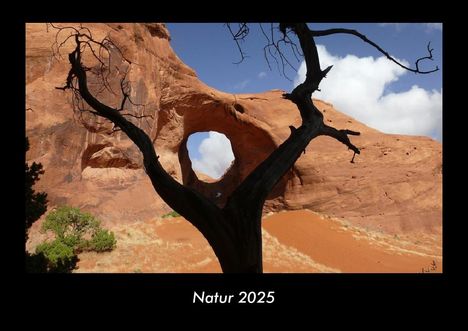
x=293 y=242
x=338 y=245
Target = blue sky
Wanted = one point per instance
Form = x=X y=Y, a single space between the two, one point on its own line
x=378 y=92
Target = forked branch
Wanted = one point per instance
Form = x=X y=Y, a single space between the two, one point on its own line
x=239 y=36
x=341 y=136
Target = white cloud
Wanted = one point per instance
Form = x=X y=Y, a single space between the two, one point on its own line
x=356 y=86
x=216 y=155
x=242 y=85
x=261 y=75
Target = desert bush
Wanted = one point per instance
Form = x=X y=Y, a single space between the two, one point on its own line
x=101 y=241
x=69 y=221
x=75 y=232
x=73 y=241
x=60 y=257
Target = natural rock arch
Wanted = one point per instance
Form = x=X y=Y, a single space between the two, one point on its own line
x=250 y=144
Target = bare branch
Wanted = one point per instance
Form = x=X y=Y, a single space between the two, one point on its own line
x=429 y=57
x=274 y=48
x=320 y=33
x=285 y=40
x=266 y=46
x=341 y=136
x=105 y=46
x=124 y=88
x=240 y=35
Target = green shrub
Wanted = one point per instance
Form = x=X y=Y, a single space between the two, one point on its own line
x=101 y=241
x=75 y=231
x=70 y=221
x=171 y=214
x=60 y=257
x=72 y=241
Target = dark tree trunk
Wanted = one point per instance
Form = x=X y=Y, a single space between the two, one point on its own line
x=241 y=251
x=234 y=232
x=246 y=233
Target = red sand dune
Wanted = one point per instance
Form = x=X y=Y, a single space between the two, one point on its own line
x=332 y=243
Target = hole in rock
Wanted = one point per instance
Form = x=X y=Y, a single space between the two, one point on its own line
x=210 y=153
x=239 y=108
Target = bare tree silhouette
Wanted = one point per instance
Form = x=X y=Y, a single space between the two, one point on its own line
x=234 y=231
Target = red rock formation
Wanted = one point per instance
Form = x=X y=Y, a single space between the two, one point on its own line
x=394 y=185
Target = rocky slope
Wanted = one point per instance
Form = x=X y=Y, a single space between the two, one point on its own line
x=394 y=186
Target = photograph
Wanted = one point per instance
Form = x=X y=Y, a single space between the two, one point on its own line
x=227 y=148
